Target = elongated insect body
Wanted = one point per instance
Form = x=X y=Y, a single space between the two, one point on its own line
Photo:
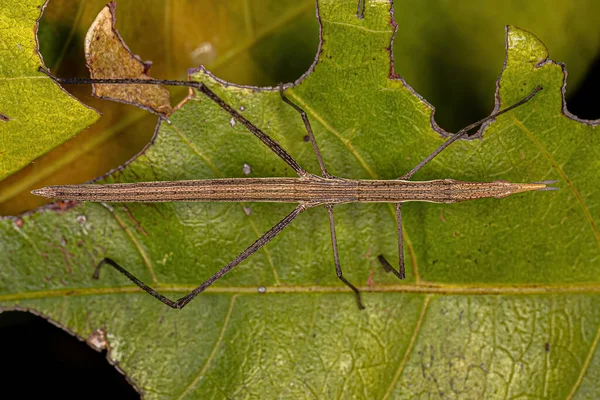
x=307 y=190
x=311 y=190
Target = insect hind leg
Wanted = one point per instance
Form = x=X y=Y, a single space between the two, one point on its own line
x=182 y=302
x=142 y=285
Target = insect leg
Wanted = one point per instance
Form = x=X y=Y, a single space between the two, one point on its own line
x=336 y=258
x=266 y=139
x=360 y=9
x=400 y=273
x=465 y=130
x=386 y=265
x=182 y=302
x=142 y=285
x=311 y=136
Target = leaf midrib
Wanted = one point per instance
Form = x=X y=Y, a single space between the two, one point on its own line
x=425 y=288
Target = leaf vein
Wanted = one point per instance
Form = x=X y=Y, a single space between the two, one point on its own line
x=214 y=350
x=424 y=288
x=196 y=151
x=18 y=78
x=409 y=348
x=268 y=253
x=586 y=364
x=362 y=28
x=137 y=246
x=562 y=173
x=335 y=133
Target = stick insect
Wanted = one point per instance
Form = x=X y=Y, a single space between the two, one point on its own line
x=307 y=190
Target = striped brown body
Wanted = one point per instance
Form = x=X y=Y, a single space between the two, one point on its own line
x=311 y=190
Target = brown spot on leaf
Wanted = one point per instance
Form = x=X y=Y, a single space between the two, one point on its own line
x=62 y=205
x=66 y=254
x=370 y=282
x=135 y=221
x=108 y=57
x=19 y=222
x=4 y=117
x=368 y=255
x=97 y=340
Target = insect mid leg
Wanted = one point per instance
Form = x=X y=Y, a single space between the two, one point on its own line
x=336 y=258
x=400 y=273
x=360 y=9
x=311 y=136
x=182 y=302
x=387 y=267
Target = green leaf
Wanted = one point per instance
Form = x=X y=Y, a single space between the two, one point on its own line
x=501 y=298
x=40 y=114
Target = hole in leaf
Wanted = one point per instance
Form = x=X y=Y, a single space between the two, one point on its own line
x=443 y=66
x=582 y=101
x=452 y=53
x=42 y=360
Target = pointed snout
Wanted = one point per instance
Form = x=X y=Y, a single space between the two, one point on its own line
x=462 y=191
